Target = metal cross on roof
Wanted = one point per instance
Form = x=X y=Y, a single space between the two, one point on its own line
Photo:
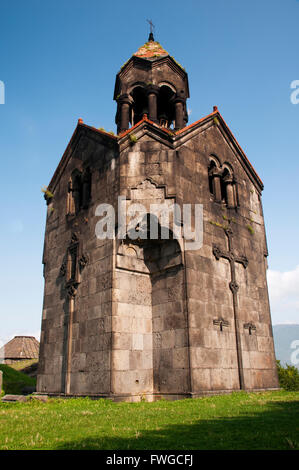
x=152 y=26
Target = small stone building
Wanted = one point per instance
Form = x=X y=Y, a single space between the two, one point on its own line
x=20 y=348
x=126 y=317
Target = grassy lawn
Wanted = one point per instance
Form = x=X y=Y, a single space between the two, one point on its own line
x=239 y=421
x=20 y=365
x=14 y=381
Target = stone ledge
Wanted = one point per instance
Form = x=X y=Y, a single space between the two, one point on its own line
x=14 y=398
x=149 y=397
x=23 y=398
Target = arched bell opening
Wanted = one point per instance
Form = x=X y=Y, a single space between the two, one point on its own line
x=140 y=104
x=165 y=108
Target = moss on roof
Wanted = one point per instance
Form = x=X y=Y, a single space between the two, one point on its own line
x=151 y=49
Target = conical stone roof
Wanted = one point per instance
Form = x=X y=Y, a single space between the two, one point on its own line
x=151 y=49
x=21 y=347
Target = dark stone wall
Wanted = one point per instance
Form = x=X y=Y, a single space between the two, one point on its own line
x=91 y=336
x=213 y=352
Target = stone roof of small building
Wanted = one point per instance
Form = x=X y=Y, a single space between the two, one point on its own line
x=21 y=347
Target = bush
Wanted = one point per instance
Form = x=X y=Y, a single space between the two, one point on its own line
x=133 y=138
x=288 y=377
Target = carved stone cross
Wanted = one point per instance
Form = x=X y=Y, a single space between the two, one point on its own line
x=71 y=269
x=231 y=256
x=250 y=327
x=221 y=322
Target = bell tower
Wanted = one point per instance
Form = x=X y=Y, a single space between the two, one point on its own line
x=140 y=310
x=151 y=83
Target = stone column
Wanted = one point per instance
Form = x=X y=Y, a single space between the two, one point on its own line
x=179 y=113
x=124 y=103
x=216 y=175
x=230 y=192
x=69 y=344
x=152 y=94
x=70 y=200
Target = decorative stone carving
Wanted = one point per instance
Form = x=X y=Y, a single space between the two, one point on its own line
x=62 y=271
x=234 y=287
x=74 y=238
x=72 y=290
x=83 y=261
x=221 y=322
x=250 y=327
x=73 y=265
x=147 y=190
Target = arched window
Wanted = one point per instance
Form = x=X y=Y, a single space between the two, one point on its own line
x=140 y=104
x=79 y=191
x=211 y=169
x=165 y=108
x=228 y=185
x=214 y=175
x=222 y=185
x=225 y=175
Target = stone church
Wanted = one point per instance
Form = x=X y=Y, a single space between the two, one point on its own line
x=145 y=317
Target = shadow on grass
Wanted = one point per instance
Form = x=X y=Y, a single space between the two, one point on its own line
x=277 y=428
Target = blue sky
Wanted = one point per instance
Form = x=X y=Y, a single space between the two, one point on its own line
x=58 y=60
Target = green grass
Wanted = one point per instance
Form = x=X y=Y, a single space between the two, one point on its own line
x=14 y=381
x=20 y=365
x=237 y=421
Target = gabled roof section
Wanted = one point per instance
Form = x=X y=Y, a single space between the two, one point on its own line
x=218 y=120
x=175 y=138
x=79 y=130
x=145 y=126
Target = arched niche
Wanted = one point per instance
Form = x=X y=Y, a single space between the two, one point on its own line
x=152 y=321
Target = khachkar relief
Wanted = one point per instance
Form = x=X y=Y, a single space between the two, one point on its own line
x=221 y=323
x=71 y=268
x=147 y=190
x=233 y=258
x=74 y=263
